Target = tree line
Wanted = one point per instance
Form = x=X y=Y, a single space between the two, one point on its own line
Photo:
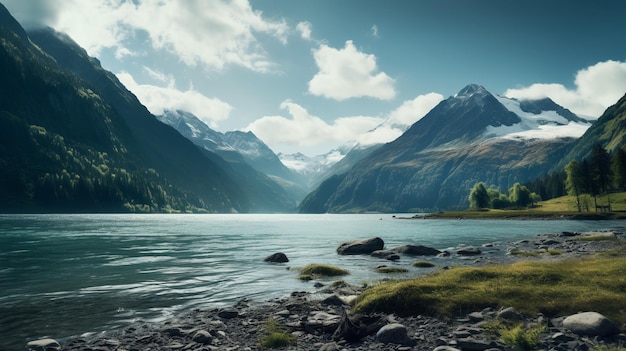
x=599 y=174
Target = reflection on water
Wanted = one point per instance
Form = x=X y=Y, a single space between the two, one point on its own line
x=62 y=275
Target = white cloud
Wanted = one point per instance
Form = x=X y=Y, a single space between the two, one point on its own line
x=305 y=130
x=348 y=73
x=597 y=87
x=412 y=111
x=157 y=99
x=304 y=28
x=211 y=33
x=374 y=30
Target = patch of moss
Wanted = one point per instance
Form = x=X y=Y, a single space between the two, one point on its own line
x=552 y=288
x=316 y=271
x=423 y=264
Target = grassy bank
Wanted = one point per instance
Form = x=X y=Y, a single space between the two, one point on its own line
x=560 y=208
x=554 y=289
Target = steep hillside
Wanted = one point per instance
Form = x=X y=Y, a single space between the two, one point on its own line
x=74 y=139
x=433 y=165
x=257 y=168
x=609 y=131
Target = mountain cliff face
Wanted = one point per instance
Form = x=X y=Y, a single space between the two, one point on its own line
x=609 y=131
x=73 y=138
x=463 y=140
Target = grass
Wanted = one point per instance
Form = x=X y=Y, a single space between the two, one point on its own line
x=552 y=288
x=561 y=207
x=275 y=337
x=317 y=271
x=518 y=336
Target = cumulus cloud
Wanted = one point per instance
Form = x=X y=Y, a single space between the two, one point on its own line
x=597 y=87
x=348 y=73
x=305 y=130
x=212 y=33
x=412 y=111
x=157 y=99
x=305 y=30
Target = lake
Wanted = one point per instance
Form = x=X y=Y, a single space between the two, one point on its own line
x=63 y=275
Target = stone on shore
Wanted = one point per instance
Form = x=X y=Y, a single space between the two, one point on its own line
x=43 y=345
x=278 y=257
x=590 y=324
x=417 y=250
x=361 y=247
x=394 y=333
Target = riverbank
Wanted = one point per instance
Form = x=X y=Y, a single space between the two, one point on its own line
x=520 y=214
x=310 y=320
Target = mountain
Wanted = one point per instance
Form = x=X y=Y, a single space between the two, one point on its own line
x=74 y=139
x=470 y=137
x=248 y=156
x=609 y=131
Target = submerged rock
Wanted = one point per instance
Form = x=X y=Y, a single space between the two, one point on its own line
x=278 y=257
x=417 y=250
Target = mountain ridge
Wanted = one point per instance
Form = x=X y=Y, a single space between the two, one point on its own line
x=435 y=162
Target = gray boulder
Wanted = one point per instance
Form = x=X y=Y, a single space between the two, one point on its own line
x=394 y=334
x=361 y=247
x=590 y=324
x=416 y=250
x=278 y=257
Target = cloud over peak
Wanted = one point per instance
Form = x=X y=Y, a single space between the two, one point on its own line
x=597 y=87
x=348 y=73
x=158 y=99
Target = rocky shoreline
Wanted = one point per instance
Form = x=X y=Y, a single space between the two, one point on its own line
x=320 y=320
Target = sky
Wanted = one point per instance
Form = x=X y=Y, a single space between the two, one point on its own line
x=309 y=76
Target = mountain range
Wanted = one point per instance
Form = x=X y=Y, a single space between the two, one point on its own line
x=74 y=139
x=470 y=137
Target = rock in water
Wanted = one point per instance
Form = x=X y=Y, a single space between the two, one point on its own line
x=590 y=324
x=417 y=250
x=361 y=247
x=43 y=345
x=469 y=251
x=278 y=257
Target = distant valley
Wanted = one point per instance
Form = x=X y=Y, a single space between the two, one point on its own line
x=74 y=139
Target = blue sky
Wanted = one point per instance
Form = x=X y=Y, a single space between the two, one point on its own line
x=312 y=75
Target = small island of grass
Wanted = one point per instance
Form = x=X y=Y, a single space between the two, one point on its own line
x=317 y=271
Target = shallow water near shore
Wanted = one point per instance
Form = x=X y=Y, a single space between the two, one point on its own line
x=63 y=275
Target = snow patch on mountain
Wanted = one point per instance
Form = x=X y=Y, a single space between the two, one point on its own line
x=306 y=165
x=542 y=125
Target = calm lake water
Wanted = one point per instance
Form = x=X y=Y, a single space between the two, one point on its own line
x=63 y=275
